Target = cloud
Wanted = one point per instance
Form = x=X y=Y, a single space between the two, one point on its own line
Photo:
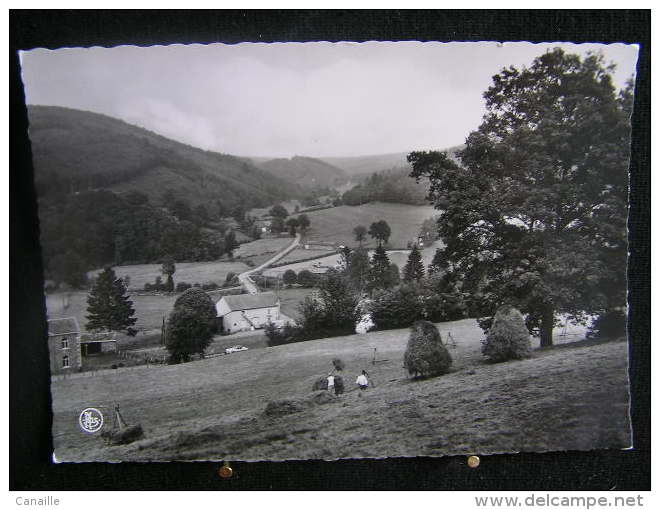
x=285 y=99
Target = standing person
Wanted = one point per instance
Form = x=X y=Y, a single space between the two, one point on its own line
x=331 y=382
x=339 y=385
x=362 y=381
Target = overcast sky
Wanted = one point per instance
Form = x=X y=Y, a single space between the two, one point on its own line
x=285 y=99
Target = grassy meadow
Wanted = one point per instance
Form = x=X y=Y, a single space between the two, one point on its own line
x=573 y=396
x=336 y=224
x=261 y=250
x=398 y=257
x=191 y=272
x=149 y=309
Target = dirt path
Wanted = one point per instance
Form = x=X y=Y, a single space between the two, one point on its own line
x=245 y=279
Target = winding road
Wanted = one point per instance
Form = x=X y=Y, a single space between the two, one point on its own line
x=246 y=281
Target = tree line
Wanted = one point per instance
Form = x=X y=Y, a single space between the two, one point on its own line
x=394 y=186
x=95 y=228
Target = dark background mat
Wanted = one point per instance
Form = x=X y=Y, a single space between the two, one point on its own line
x=30 y=417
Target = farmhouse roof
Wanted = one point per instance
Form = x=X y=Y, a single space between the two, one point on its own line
x=65 y=326
x=250 y=301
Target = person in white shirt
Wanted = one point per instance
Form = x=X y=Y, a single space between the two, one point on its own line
x=362 y=381
x=331 y=382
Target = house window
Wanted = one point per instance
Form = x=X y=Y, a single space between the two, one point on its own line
x=65 y=361
x=65 y=343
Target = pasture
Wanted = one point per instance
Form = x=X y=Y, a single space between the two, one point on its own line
x=261 y=250
x=149 y=308
x=190 y=272
x=336 y=224
x=398 y=257
x=572 y=396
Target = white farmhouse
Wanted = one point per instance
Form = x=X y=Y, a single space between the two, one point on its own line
x=246 y=312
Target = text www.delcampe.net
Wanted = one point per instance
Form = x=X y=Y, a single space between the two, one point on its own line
x=553 y=500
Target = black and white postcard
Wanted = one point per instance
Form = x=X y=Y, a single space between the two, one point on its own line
x=333 y=250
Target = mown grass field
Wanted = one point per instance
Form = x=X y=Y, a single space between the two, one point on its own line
x=149 y=309
x=398 y=257
x=262 y=248
x=573 y=396
x=336 y=224
x=190 y=272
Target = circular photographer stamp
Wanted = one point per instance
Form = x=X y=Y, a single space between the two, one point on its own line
x=91 y=420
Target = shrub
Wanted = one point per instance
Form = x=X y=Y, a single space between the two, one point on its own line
x=182 y=286
x=280 y=336
x=611 y=324
x=230 y=277
x=289 y=277
x=508 y=337
x=396 y=308
x=306 y=278
x=425 y=354
x=210 y=286
x=148 y=287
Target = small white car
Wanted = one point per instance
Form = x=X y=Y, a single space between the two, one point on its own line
x=235 y=348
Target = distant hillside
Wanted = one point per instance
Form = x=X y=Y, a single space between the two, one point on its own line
x=393 y=186
x=75 y=150
x=365 y=165
x=307 y=172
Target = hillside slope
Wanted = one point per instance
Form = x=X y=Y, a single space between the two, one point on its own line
x=75 y=150
x=307 y=172
x=569 y=397
x=364 y=165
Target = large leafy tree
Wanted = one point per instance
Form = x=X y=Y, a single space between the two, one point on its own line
x=278 y=211
x=190 y=325
x=108 y=306
x=535 y=215
x=360 y=232
x=231 y=243
x=293 y=224
x=381 y=231
x=168 y=268
x=303 y=222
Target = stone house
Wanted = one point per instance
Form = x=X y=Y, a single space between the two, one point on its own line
x=64 y=345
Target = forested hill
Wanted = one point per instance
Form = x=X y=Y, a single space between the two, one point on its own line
x=308 y=172
x=358 y=166
x=75 y=150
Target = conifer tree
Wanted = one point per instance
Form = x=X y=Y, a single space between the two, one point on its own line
x=436 y=263
x=414 y=268
x=380 y=274
x=108 y=306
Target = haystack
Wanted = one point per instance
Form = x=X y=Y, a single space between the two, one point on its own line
x=283 y=407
